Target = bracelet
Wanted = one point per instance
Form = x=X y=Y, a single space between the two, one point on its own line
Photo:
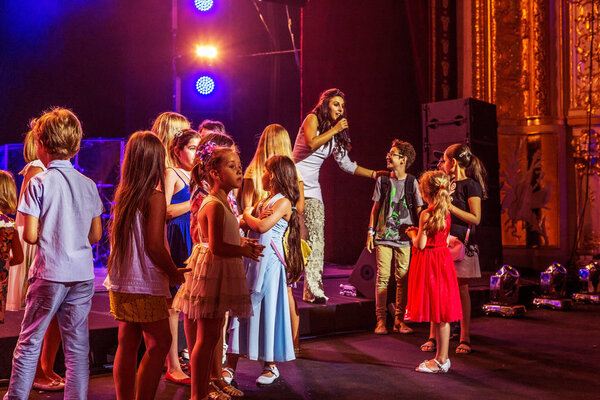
x=371 y=231
x=372 y=174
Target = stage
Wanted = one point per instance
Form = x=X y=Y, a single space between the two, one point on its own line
x=545 y=355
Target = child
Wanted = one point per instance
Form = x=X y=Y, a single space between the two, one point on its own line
x=140 y=268
x=199 y=192
x=267 y=335
x=218 y=281
x=62 y=215
x=177 y=194
x=209 y=126
x=9 y=241
x=469 y=175
x=432 y=287
x=45 y=377
x=402 y=203
x=165 y=126
x=274 y=140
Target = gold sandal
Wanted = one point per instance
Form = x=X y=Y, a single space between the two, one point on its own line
x=229 y=389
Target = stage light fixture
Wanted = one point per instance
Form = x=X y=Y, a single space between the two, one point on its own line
x=589 y=279
x=205 y=85
x=504 y=293
x=206 y=51
x=203 y=5
x=553 y=285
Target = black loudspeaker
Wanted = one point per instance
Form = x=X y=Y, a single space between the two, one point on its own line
x=364 y=274
x=472 y=122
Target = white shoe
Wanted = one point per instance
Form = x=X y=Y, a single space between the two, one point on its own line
x=228 y=374
x=267 y=380
x=224 y=353
x=443 y=367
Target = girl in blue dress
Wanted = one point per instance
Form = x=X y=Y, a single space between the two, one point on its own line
x=177 y=193
x=267 y=334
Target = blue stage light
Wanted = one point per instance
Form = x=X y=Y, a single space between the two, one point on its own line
x=205 y=85
x=203 y=5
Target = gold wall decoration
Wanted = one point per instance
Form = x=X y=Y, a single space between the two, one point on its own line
x=528 y=192
x=581 y=55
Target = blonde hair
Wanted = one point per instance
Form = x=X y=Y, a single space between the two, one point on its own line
x=8 y=193
x=274 y=140
x=29 y=151
x=60 y=132
x=435 y=187
x=165 y=126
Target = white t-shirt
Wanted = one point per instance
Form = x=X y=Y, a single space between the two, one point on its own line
x=309 y=163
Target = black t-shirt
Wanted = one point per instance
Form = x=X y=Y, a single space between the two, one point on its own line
x=465 y=189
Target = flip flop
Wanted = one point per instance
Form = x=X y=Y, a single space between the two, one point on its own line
x=429 y=346
x=464 y=347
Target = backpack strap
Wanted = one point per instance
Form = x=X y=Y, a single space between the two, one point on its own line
x=410 y=197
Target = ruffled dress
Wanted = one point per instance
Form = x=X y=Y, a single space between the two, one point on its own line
x=267 y=335
x=7 y=235
x=215 y=284
x=18 y=274
x=432 y=286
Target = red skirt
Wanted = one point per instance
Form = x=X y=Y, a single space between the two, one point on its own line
x=432 y=287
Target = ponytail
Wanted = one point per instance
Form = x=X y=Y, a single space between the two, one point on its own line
x=435 y=185
x=285 y=179
x=473 y=166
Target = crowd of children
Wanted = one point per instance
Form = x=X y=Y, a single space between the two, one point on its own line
x=180 y=244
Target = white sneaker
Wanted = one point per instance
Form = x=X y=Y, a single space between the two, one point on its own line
x=267 y=380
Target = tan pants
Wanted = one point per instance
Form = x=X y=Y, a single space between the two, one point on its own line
x=400 y=256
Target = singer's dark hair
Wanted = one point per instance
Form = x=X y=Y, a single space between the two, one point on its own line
x=321 y=110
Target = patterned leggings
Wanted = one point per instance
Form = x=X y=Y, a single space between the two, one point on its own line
x=314 y=219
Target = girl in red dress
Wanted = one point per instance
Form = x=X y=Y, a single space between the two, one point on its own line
x=432 y=287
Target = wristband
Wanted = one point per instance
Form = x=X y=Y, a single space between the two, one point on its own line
x=371 y=231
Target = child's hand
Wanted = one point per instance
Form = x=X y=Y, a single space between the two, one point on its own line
x=265 y=213
x=411 y=232
x=177 y=278
x=248 y=241
x=370 y=245
x=253 y=250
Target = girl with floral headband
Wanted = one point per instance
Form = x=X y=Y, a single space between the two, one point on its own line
x=217 y=282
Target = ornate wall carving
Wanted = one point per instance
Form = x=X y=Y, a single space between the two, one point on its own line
x=580 y=35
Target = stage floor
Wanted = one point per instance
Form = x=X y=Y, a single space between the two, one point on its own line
x=545 y=355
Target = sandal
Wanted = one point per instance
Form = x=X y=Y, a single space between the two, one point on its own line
x=227 y=388
x=217 y=395
x=442 y=368
x=228 y=374
x=429 y=346
x=464 y=347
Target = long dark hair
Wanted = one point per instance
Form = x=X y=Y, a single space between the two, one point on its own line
x=285 y=179
x=143 y=170
x=321 y=110
x=473 y=166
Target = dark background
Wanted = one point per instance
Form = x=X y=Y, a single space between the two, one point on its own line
x=111 y=61
x=377 y=55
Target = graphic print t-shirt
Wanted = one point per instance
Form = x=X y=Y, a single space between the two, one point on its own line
x=390 y=228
